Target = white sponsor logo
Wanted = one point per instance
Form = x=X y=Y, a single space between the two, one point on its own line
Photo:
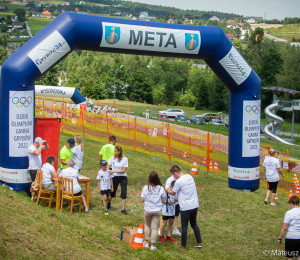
x=236 y=66
x=246 y=174
x=135 y=37
x=49 y=51
x=14 y=175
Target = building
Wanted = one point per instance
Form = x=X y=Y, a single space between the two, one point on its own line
x=245 y=30
x=145 y=16
x=3 y=8
x=37 y=15
x=14 y=18
x=230 y=36
x=47 y=14
x=81 y=2
x=214 y=18
x=252 y=19
x=170 y=21
x=76 y=9
x=117 y=13
x=127 y=15
x=233 y=24
x=2 y=20
x=17 y=26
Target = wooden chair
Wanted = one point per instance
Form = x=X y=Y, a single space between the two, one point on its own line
x=43 y=194
x=67 y=193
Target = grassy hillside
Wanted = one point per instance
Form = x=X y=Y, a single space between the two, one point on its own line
x=36 y=25
x=289 y=31
x=234 y=224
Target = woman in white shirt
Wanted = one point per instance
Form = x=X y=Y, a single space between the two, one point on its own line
x=292 y=226
x=49 y=172
x=153 y=195
x=72 y=173
x=119 y=165
x=78 y=152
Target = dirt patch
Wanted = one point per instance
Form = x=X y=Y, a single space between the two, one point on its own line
x=266 y=26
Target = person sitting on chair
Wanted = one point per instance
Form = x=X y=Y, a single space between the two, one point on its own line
x=49 y=172
x=72 y=173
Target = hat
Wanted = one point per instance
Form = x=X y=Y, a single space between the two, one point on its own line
x=103 y=162
x=71 y=142
x=38 y=139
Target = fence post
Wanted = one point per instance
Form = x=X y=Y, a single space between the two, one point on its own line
x=52 y=107
x=169 y=143
x=268 y=149
x=128 y=129
x=219 y=141
x=82 y=123
x=130 y=108
x=62 y=119
x=207 y=156
x=134 y=135
x=190 y=143
x=288 y=153
x=44 y=108
x=146 y=129
x=107 y=128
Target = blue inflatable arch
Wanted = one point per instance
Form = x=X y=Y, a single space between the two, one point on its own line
x=70 y=31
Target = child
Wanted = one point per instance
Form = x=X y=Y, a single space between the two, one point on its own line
x=168 y=213
x=105 y=185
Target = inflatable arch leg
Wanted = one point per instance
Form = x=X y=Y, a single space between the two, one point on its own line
x=71 y=31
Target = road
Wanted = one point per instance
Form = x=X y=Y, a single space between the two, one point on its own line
x=275 y=38
x=28 y=30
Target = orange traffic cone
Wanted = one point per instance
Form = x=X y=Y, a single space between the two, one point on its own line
x=295 y=177
x=291 y=194
x=276 y=197
x=297 y=184
x=194 y=168
x=216 y=166
x=204 y=160
x=165 y=150
x=184 y=155
x=138 y=240
x=211 y=165
x=297 y=192
x=145 y=144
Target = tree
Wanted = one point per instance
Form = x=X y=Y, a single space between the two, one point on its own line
x=4 y=28
x=188 y=99
x=20 y=13
x=238 y=45
x=49 y=79
x=30 y=14
x=238 y=32
x=256 y=37
x=158 y=93
x=168 y=91
x=56 y=13
x=202 y=94
x=3 y=55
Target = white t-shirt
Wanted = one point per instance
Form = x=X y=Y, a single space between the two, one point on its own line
x=185 y=188
x=168 y=184
x=71 y=173
x=35 y=161
x=272 y=164
x=167 y=209
x=118 y=166
x=77 y=156
x=47 y=169
x=104 y=178
x=153 y=197
x=292 y=217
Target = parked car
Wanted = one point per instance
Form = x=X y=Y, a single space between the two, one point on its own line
x=262 y=127
x=197 y=120
x=209 y=116
x=181 y=118
x=163 y=117
x=216 y=122
x=171 y=112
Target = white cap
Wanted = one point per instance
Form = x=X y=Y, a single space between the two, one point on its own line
x=38 y=139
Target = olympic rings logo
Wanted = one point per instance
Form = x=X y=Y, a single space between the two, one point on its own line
x=22 y=101
x=253 y=110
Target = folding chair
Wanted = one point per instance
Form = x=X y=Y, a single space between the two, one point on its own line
x=67 y=193
x=43 y=194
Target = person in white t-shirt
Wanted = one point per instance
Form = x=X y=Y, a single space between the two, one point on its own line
x=72 y=173
x=185 y=188
x=78 y=152
x=105 y=185
x=153 y=196
x=292 y=227
x=272 y=167
x=119 y=165
x=168 y=214
x=35 y=158
x=49 y=172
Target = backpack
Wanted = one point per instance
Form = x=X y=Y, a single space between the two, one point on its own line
x=35 y=185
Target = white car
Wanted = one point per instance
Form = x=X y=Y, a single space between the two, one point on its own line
x=171 y=112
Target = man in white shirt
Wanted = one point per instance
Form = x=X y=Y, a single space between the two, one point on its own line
x=185 y=188
x=272 y=167
x=35 y=158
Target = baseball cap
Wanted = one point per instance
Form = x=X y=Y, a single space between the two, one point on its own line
x=38 y=139
x=103 y=162
x=71 y=142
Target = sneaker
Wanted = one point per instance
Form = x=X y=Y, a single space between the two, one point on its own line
x=146 y=245
x=180 y=247
x=199 y=245
x=108 y=205
x=266 y=202
x=106 y=213
x=158 y=231
x=176 y=232
x=162 y=239
x=170 y=238
x=153 y=247
x=273 y=204
x=123 y=211
x=102 y=206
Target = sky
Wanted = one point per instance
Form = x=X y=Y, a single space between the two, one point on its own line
x=274 y=9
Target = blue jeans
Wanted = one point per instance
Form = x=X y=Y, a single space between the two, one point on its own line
x=186 y=216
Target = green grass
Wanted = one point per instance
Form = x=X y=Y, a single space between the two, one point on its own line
x=290 y=31
x=13 y=7
x=37 y=25
x=234 y=224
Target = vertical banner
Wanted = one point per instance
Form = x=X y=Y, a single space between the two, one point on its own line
x=21 y=120
x=251 y=128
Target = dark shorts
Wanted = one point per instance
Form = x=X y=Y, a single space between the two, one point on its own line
x=273 y=186
x=106 y=192
x=78 y=193
x=122 y=180
x=167 y=217
x=177 y=210
x=292 y=247
x=33 y=174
